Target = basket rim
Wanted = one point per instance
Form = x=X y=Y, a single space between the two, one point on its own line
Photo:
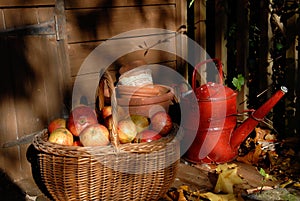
x=40 y=143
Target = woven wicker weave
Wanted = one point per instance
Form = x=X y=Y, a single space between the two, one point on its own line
x=135 y=171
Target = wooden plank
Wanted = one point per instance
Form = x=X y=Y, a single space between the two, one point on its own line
x=116 y=3
x=27 y=20
x=10 y=162
x=181 y=14
x=181 y=49
x=200 y=23
x=45 y=14
x=101 y=24
x=200 y=28
x=23 y=3
x=85 y=86
x=21 y=17
x=54 y=76
x=25 y=166
x=79 y=52
x=27 y=83
x=8 y=127
x=36 y=97
x=2 y=21
x=38 y=69
x=93 y=60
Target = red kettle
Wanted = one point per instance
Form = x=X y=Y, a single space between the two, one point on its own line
x=217 y=136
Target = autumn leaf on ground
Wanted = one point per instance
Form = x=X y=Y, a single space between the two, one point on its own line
x=218 y=197
x=263 y=135
x=252 y=157
x=181 y=195
x=227 y=178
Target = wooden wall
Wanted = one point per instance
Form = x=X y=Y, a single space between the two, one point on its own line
x=90 y=24
x=43 y=45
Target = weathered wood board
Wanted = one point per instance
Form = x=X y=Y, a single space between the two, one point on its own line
x=100 y=24
x=26 y=3
x=32 y=78
x=73 y=4
x=43 y=45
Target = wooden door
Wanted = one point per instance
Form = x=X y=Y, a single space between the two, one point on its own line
x=32 y=79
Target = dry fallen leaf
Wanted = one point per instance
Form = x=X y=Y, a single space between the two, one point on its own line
x=252 y=157
x=261 y=134
x=227 y=178
x=218 y=197
x=181 y=195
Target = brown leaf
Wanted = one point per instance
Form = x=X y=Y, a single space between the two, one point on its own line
x=227 y=178
x=252 y=157
x=181 y=195
x=218 y=197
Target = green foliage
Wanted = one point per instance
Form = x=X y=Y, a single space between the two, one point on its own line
x=254 y=36
x=263 y=173
x=238 y=82
x=230 y=37
x=279 y=46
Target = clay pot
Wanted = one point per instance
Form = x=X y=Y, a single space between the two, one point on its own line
x=147 y=110
x=146 y=105
x=143 y=91
x=145 y=100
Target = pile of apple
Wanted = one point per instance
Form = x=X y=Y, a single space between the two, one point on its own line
x=85 y=128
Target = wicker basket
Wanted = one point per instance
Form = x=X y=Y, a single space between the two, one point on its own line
x=135 y=171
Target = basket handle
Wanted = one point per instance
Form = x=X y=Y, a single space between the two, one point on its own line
x=218 y=64
x=106 y=78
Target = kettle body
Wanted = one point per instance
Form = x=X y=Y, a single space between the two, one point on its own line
x=217 y=136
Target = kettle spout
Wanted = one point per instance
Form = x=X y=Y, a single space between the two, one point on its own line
x=242 y=132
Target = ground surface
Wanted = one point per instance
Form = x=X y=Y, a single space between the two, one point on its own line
x=197 y=178
x=266 y=169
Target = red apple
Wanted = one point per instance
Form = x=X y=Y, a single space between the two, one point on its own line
x=61 y=136
x=106 y=111
x=147 y=136
x=161 y=122
x=94 y=135
x=56 y=123
x=81 y=117
x=126 y=131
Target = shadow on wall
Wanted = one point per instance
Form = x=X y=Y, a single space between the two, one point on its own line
x=9 y=190
x=32 y=157
x=105 y=16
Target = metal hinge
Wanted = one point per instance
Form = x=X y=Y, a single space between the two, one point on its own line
x=45 y=28
x=22 y=140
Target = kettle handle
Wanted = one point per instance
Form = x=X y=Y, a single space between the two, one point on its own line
x=218 y=64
